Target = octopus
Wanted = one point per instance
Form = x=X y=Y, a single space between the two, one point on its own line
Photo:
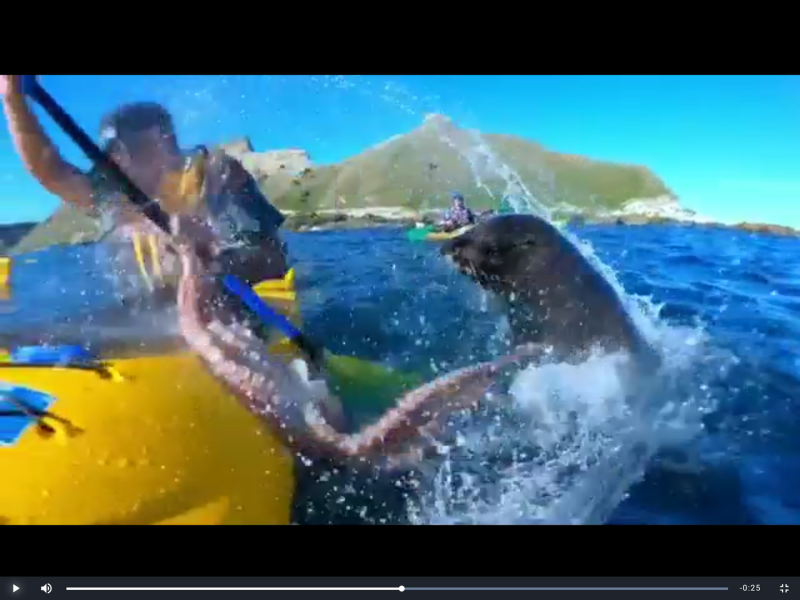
x=299 y=408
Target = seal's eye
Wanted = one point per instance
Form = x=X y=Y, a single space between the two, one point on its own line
x=493 y=255
x=491 y=251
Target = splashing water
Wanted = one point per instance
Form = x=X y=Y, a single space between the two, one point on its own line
x=565 y=451
x=483 y=163
x=576 y=437
x=131 y=315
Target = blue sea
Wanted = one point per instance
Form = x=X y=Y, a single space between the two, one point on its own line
x=722 y=429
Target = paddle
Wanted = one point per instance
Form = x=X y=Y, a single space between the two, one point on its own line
x=420 y=233
x=341 y=369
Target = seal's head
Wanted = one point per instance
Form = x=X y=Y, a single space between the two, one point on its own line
x=558 y=297
x=502 y=251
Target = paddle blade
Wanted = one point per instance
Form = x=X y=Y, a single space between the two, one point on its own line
x=364 y=387
x=419 y=234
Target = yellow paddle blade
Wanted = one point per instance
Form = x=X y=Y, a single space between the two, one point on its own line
x=277 y=289
x=367 y=387
x=269 y=285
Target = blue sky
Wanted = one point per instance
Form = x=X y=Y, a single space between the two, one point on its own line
x=729 y=146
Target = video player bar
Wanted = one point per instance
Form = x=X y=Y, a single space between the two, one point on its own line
x=73 y=587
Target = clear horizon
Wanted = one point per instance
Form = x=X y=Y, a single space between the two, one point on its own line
x=726 y=145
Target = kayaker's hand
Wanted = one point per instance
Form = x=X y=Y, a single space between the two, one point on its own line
x=10 y=85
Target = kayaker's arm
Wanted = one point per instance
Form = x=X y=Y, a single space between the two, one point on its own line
x=38 y=152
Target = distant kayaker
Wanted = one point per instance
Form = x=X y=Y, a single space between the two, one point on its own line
x=141 y=139
x=458 y=216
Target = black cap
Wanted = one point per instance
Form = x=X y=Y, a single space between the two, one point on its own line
x=134 y=118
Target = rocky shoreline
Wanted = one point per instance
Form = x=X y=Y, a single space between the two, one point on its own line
x=399 y=217
x=326 y=220
x=344 y=220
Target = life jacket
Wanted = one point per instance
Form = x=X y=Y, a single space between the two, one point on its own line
x=243 y=218
x=182 y=193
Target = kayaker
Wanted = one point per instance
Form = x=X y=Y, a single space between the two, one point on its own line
x=458 y=216
x=141 y=139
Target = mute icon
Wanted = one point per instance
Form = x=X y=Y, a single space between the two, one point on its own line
x=47 y=588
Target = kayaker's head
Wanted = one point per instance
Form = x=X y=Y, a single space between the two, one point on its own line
x=458 y=200
x=141 y=139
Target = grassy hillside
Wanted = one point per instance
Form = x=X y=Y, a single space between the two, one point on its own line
x=421 y=168
x=68 y=225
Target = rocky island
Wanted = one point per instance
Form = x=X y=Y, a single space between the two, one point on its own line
x=408 y=178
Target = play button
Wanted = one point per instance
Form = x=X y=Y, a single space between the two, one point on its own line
x=14 y=588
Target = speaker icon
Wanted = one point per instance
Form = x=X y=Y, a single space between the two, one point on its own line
x=47 y=588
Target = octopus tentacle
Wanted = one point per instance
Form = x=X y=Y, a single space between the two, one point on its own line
x=216 y=343
x=270 y=388
x=415 y=412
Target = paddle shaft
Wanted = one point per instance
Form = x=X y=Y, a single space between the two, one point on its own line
x=238 y=293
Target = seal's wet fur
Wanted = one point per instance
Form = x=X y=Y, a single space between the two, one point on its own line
x=556 y=297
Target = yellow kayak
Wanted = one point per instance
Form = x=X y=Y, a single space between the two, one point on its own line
x=138 y=440
x=5 y=270
x=439 y=236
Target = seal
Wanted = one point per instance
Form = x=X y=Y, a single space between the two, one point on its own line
x=557 y=300
x=560 y=304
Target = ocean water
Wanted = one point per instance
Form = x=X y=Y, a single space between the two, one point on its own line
x=714 y=439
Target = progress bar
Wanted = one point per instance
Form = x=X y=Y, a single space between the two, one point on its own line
x=397 y=589
x=236 y=589
x=243 y=589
